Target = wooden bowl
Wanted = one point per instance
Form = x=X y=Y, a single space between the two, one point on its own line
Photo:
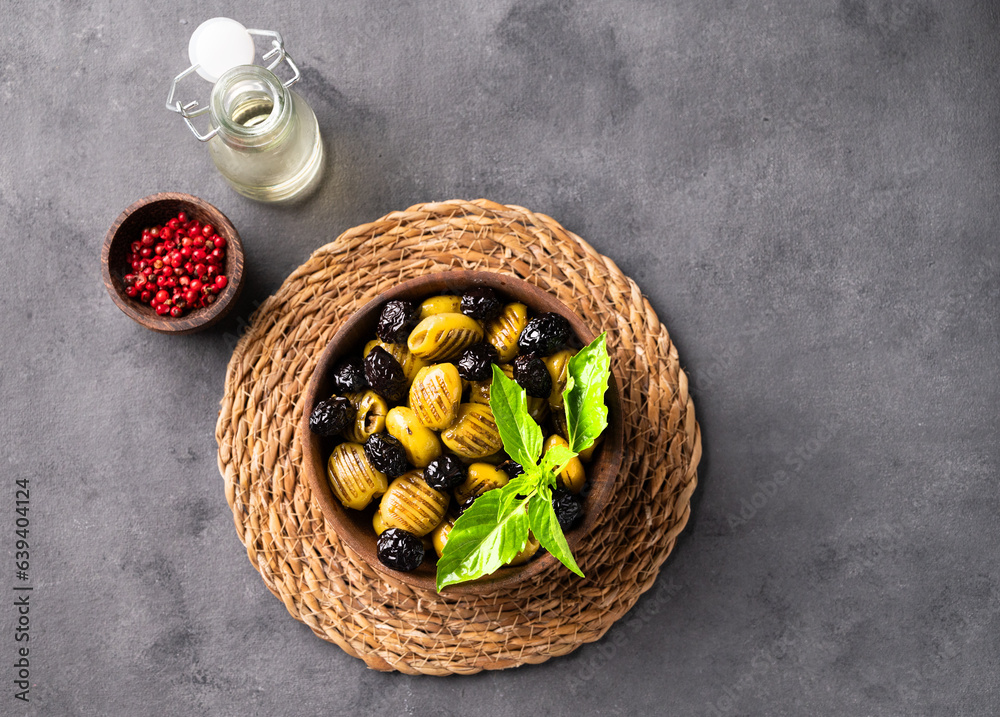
x=355 y=527
x=157 y=209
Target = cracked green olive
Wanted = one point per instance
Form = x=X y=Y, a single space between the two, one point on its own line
x=474 y=433
x=504 y=330
x=436 y=394
x=412 y=505
x=444 y=336
x=352 y=478
x=369 y=418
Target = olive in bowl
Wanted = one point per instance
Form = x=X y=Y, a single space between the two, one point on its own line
x=435 y=500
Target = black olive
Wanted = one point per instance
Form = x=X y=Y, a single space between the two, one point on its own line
x=481 y=303
x=475 y=362
x=445 y=472
x=400 y=550
x=397 y=320
x=532 y=375
x=465 y=506
x=568 y=507
x=512 y=468
x=544 y=335
x=331 y=416
x=385 y=375
x=386 y=454
x=349 y=376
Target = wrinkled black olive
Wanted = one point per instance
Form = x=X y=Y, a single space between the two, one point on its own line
x=400 y=550
x=568 y=507
x=396 y=321
x=385 y=375
x=386 y=454
x=445 y=472
x=532 y=375
x=544 y=335
x=512 y=468
x=481 y=303
x=331 y=416
x=349 y=376
x=476 y=361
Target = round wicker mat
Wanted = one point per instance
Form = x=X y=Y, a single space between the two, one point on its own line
x=392 y=626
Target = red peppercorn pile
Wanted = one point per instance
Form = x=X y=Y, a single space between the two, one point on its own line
x=177 y=267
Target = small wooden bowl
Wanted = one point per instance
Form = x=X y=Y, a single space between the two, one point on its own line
x=157 y=209
x=355 y=527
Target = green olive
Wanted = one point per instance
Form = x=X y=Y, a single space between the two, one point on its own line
x=439 y=536
x=479 y=391
x=588 y=453
x=504 y=330
x=558 y=366
x=352 y=478
x=572 y=476
x=482 y=478
x=444 y=336
x=530 y=548
x=436 y=394
x=378 y=523
x=420 y=443
x=559 y=423
x=412 y=505
x=538 y=408
x=444 y=304
x=474 y=433
x=370 y=417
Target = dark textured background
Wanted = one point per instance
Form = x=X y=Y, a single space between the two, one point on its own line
x=805 y=190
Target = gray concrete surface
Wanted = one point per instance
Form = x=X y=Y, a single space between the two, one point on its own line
x=806 y=191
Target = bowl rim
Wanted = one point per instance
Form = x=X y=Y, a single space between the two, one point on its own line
x=199 y=318
x=606 y=465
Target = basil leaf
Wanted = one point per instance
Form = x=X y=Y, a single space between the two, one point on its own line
x=521 y=436
x=586 y=414
x=545 y=527
x=483 y=539
x=556 y=458
x=523 y=485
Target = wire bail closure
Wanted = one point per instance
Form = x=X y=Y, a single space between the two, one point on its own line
x=189 y=110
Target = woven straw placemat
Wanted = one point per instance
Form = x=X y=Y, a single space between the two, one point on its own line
x=392 y=626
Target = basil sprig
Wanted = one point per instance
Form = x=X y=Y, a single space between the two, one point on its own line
x=495 y=527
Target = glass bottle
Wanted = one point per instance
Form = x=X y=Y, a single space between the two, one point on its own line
x=268 y=144
x=264 y=137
